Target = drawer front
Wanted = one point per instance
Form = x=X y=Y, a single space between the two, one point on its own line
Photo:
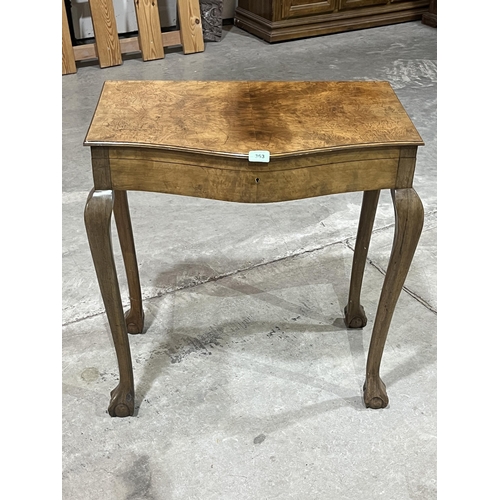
x=354 y=4
x=302 y=8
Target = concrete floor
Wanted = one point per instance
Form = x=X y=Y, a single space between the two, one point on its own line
x=248 y=384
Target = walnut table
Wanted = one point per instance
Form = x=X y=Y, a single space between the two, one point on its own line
x=250 y=142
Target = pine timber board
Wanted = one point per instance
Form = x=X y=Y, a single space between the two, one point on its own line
x=107 y=43
x=68 y=56
x=148 y=24
x=190 y=26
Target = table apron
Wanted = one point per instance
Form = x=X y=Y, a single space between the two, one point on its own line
x=253 y=186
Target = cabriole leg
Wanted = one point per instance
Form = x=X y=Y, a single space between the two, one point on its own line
x=134 y=318
x=409 y=214
x=98 y=212
x=354 y=314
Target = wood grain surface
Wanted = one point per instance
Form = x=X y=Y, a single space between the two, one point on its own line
x=68 y=56
x=190 y=25
x=233 y=118
x=107 y=44
x=149 y=29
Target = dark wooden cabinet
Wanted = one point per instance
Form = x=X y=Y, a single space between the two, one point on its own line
x=280 y=20
x=301 y=8
x=430 y=17
x=353 y=4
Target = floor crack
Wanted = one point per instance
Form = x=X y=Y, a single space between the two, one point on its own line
x=345 y=242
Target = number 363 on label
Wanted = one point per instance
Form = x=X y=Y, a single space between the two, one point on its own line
x=259 y=156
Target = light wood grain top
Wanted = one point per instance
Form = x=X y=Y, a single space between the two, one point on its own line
x=233 y=118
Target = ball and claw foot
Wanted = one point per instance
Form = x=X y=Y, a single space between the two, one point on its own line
x=375 y=395
x=356 y=319
x=122 y=402
x=134 y=321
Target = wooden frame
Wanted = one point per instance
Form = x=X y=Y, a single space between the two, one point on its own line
x=108 y=47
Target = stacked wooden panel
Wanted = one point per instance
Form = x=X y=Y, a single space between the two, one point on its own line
x=108 y=47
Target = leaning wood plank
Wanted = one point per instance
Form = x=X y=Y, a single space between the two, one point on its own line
x=190 y=26
x=84 y=52
x=148 y=23
x=127 y=45
x=168 y=39
x=68 y=57
x=105 y=33
x=171 y=38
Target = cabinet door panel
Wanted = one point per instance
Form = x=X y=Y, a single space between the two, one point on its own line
x=354 y=4
x=300 y=8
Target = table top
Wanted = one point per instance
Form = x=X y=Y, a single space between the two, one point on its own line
x=233 y=118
